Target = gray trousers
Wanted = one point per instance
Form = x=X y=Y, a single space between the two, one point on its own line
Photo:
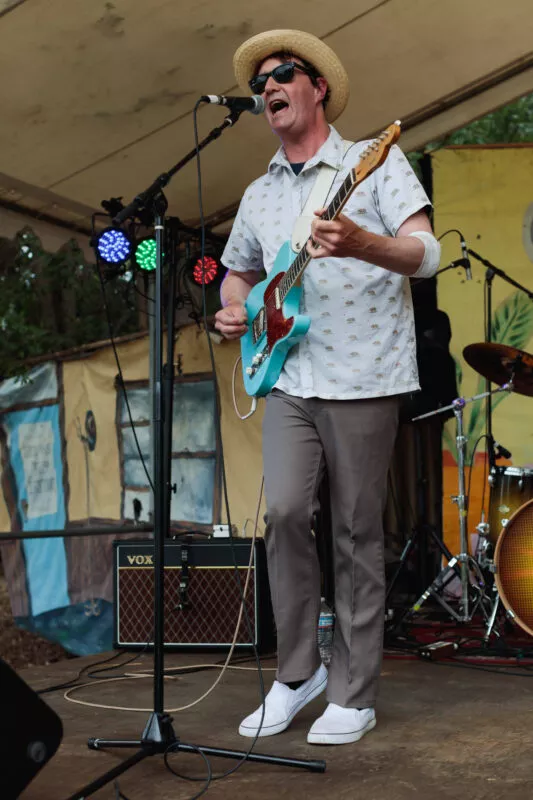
x=354 y=440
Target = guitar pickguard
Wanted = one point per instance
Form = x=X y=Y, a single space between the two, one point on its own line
x=277 y=326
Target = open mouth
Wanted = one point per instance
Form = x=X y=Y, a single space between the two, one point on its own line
x=276 y=106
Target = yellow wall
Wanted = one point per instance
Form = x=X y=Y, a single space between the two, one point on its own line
x=5 y=522
x=484 y=192
x=89 y=383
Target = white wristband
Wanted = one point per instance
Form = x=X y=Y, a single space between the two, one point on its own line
x=430 y=262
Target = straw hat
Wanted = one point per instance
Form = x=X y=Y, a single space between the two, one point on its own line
x=304 y=45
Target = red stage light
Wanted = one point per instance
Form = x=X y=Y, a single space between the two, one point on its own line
x=207 y=273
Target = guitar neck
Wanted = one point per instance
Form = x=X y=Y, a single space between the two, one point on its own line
x=302 y=260
x=371 y=158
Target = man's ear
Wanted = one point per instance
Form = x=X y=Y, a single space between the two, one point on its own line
x=322 y=86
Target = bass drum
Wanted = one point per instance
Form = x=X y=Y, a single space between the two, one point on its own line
x=513 y=559
x=510 y=487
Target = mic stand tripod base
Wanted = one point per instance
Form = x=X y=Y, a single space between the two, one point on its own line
x=458 y=566
x=159 y=737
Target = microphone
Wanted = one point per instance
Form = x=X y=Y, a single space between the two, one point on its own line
x=460 y=262
x=501 y=451
x=466 y=260
x=255 y=103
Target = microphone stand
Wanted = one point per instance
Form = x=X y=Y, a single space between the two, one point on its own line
x=490 y=272
x=145 y=198
x=158 y=735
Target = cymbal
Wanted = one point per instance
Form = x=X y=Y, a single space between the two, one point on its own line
x=499 y=363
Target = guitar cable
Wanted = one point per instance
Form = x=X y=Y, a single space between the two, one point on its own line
x=254 y=399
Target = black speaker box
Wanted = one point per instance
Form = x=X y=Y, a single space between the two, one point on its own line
x=31 y=733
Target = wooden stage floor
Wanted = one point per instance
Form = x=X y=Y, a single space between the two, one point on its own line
x=443 y=733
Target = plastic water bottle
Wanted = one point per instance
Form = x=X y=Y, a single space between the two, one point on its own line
x=326 y=626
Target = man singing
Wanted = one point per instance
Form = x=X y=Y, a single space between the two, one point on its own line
x=335 y=405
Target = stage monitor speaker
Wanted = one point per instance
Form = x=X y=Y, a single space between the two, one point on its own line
x=201 y=595
x=31 y=733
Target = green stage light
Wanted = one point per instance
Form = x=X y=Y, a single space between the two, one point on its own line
x=145 y=254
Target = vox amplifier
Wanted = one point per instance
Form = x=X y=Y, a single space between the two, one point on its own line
x=201 y=595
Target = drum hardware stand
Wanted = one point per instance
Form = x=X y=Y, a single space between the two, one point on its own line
x=496 y=606
x=409 y=546
x=158 y=736
x=492 y=619
x=468 y=566
x=484 y=544
x=483 y=554
x=486 y=563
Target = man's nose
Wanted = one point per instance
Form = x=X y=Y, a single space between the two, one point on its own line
x=271 y=85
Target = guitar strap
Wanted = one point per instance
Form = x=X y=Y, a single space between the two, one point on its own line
x=317 y=199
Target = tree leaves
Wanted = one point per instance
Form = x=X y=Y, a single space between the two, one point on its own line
x=510 y=123
x=53 y=301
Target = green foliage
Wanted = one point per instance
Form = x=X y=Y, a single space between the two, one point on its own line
x=53 y=301
x=508 y=124
x=511 y=123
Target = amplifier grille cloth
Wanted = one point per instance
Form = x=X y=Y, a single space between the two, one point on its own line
x=214 y=597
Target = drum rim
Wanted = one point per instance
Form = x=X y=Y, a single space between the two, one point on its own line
x=501 y=591
x=516 y=471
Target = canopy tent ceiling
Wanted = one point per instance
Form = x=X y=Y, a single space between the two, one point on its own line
x=97 y=97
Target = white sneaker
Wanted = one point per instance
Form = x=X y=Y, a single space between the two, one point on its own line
x=282 y=704
x=339 y=725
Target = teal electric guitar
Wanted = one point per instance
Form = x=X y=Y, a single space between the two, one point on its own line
x=274 y=324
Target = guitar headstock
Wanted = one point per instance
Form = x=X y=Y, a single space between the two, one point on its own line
x=376 y=151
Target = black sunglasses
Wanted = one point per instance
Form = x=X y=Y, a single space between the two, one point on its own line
x=283 y=73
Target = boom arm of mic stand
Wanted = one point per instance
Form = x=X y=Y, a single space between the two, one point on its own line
x=500 y=273
x=144 y=198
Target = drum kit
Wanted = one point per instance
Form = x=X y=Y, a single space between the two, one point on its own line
x=500 y=573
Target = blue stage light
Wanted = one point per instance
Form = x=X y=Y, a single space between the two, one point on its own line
x=113 y=246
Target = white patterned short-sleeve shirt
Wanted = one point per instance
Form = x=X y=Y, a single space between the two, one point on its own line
x=361 y=342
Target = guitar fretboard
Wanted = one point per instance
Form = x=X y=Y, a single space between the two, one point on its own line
x=303 y=258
